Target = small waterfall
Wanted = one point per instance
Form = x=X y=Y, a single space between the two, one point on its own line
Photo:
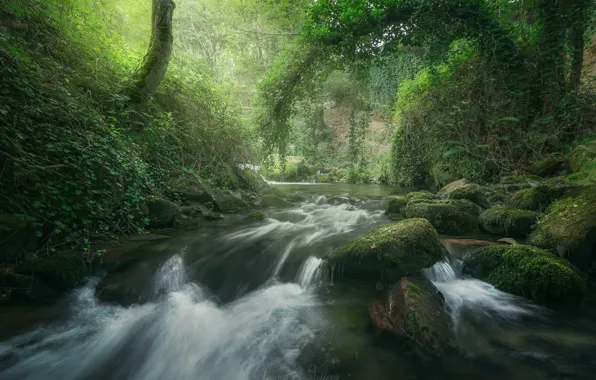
x=310 y=271
x=283 y=258
x=472 y=298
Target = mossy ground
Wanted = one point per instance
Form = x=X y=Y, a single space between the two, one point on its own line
x=528 y=271
x=391 y=252
x=507 y=221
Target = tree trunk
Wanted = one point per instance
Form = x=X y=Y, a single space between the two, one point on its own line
x=579 y=22
x=155 y=63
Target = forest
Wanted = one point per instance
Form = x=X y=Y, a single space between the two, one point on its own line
x=126 y=122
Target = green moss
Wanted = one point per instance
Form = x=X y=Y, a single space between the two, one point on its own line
x=60 y=272
x=549 y=165
x=396 y=206
x=534 y=199
x=421 y=195
x=583 y=157
x=515 y=179
x=568 y=227
x=529 y=272
x=508 y=221
x=390 y=252
x=257 y=216
x=471 y=192
x=450 y=216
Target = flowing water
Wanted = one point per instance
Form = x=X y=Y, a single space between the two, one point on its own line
x=258 y=301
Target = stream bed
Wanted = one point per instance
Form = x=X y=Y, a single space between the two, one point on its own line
x=257 y=301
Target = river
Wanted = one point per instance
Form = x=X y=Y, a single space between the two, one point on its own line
x=257 y=301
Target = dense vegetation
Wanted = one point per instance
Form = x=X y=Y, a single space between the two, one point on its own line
x=496 y=86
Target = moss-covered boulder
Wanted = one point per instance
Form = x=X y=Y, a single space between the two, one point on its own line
x=519 y=179
x=570 y=229
x=256 y=216
x=228 y=201
x=471 y=192
x=192 y=188
x=529 y=272
x=549 y=165
x=421 y=195
x=452 y=186
x=506 y=221
x=414 y=312
x=389 y=252
x=583 y=157
x=447 y=216
x=250 y=180
x=162 y=212
x=535 y=199
x=396 y=207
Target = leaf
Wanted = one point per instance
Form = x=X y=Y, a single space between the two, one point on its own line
x=510 y=118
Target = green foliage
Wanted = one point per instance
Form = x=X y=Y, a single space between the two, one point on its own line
x=79 y=161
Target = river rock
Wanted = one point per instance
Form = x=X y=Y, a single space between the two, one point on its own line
x=414 y=312
x=529 y=272
x=583 y=157
x=535 y=199
x=256 y=216
x=60 y=272
x=452 y=186
x=510 y=222
x=447 y=216
x=570 y=229
x=390 y=252
x=396 y=207
x=550 y=165
x=274 y=201
x=468 y=191
x=162 y=212
x=507 y=241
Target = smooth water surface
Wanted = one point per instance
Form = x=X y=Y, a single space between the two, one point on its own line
x=258 y=301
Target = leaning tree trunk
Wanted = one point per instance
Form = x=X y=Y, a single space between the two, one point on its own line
x=155 y=63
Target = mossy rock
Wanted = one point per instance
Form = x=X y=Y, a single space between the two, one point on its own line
x=325 y=178
x=256 y=216
x=60 y=272
x=390 y=252
x=507 y=221
x=193 y=188
x=421 y=195
x=227 y=201
x=414 y=312
x=549 y=165
x=273 y=201
x=162 y=212
x=444 y=192
x=496 y=195
x=396 y=207
x=250 y=180
x=570 y=229
x=529 y=272
x=583 y=157
x=471 y=192
x=447 y=216
x=534 y=199
x=519 y=179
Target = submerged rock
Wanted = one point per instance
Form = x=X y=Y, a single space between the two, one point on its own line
x=447 y=216
x=162 y=212
x=390 y=252
x=414 y=312
x=570 y=229
x=507 y=221
x=529 y=272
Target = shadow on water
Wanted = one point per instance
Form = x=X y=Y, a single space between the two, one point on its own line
x=256 y=301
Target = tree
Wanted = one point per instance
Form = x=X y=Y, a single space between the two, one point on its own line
x=155 y=63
